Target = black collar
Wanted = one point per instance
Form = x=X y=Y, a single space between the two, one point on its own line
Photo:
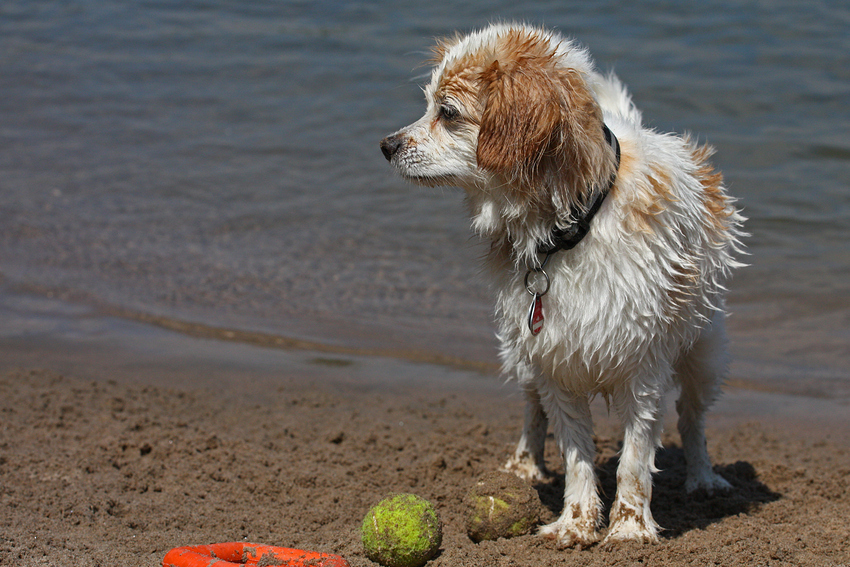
x=568 y=237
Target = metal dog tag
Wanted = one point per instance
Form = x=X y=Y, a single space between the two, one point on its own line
x=535 y=315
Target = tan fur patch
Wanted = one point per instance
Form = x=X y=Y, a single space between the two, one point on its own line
x=717 y=205
x=651 y=200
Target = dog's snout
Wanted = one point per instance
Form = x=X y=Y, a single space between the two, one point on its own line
x=390 y=145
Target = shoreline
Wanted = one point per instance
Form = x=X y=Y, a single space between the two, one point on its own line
x=107 y=343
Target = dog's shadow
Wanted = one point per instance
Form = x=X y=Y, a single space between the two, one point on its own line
x=675 y=510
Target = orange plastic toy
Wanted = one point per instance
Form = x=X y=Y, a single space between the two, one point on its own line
x=239 y=553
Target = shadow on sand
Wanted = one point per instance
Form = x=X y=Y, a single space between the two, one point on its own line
x=676 y=511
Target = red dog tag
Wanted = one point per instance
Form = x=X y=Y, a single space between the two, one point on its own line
x=535 y=315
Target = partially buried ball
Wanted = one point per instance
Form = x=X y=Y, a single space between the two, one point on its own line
x=402 y=530
x=500 y=504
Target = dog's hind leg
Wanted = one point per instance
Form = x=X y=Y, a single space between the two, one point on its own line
x=528 y=462
x=700 y=373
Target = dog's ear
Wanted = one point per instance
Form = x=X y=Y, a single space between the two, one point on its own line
x=520 y=118
x=538 y=118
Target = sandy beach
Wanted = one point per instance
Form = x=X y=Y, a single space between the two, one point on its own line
x=115 y=453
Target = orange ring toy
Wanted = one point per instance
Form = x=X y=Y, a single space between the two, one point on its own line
x=239 y=553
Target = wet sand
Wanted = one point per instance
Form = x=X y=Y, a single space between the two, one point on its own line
x=119 y=442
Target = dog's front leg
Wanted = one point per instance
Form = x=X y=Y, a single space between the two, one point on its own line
x=528 y=461
x=571 y=420
x=640 y=410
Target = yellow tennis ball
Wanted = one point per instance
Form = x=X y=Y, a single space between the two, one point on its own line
x=402 y=530
x=500 y=504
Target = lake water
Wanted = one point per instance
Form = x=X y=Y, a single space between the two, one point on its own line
x=217 y=163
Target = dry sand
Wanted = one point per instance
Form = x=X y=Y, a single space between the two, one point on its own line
x=98 y=472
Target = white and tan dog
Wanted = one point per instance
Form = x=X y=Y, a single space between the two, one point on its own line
x=610 y=247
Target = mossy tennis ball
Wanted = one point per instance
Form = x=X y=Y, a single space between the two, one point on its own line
x=500 y=504
x=402 y=530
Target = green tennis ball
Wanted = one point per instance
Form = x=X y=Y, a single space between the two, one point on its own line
x=500 y=504
x=402 y=530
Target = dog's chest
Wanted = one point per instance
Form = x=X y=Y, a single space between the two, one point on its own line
x=594 y=316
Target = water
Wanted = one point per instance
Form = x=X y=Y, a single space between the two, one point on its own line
x=217 y=163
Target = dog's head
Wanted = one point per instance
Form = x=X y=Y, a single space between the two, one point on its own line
x=509 y=107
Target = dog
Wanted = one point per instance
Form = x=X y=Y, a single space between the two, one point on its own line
x=610 y=246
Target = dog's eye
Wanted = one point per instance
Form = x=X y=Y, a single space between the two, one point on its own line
x=449 y=113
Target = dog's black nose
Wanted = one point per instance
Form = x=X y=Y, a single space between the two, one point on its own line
x=390 y=145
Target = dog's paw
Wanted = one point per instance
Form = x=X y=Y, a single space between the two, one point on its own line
x=525 y=467
x=631 y=530
x=570 y=534
x=708 y=482
x=631 y=524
